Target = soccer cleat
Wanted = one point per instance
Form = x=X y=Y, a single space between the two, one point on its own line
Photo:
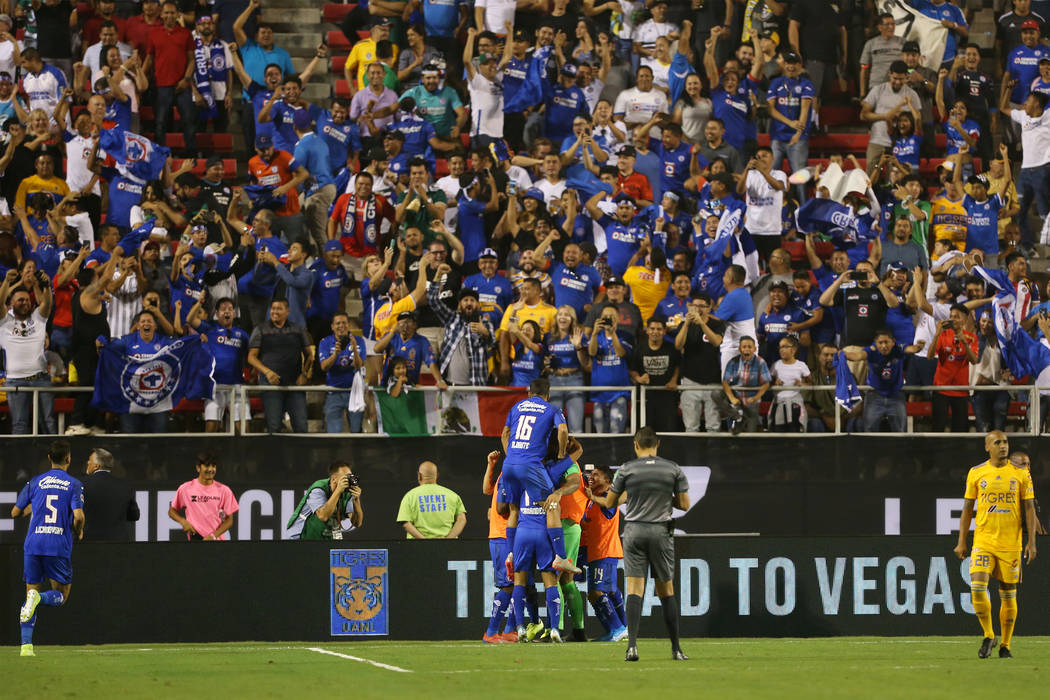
x=986 y=648
x=565 y=565
x=1004 y=653
x=678 y=655
x=510 y=637
x=632 y=654
x=533 y=630
x=509 y=563
x=619 y=635
x=493 y=639
x=29 y=607
x=522 y=634
x=27 y=650
x=555 y=636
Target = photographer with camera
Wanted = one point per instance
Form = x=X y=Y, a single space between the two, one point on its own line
x=342 y=357
x=955 y=347
x=466 y=326
x=329 y=508
x=864 y=300
x=23 y=337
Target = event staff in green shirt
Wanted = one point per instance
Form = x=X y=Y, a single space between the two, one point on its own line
x=430 y=511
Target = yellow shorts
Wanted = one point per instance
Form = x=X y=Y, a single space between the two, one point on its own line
x=1004 y=566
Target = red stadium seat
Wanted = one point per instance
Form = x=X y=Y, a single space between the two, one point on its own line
x=334 y=13
x=840 y=142
x=207 y=142
x=337 y=41
x=229 y=167
x=342 y=88
x=338 y=64
x=839 y=115
x=440 y=167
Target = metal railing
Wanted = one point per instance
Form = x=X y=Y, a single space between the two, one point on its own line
x=241 y=394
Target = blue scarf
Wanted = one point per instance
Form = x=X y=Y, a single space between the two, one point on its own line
x=209 y=65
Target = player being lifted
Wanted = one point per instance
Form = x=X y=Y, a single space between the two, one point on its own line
x=55 y=503
x=998 y=491
x=601 y=542
x=525 y=437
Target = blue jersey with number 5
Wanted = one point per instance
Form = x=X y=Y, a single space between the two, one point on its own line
x=54 y=496
x=531 y=422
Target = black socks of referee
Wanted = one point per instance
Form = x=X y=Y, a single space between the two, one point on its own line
x=634 y=619
x=670 y=607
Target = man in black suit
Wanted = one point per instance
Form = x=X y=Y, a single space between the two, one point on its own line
x=109 y=502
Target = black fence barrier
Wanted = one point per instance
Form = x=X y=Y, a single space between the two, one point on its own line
x=845 y=485
x=726 y=587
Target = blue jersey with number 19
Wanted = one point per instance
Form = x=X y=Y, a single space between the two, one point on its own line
x=54 y=496
x=531 y=422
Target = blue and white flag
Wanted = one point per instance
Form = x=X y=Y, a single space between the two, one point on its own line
x=536 y=86
x=156 y=383
x=745 y=254
x=847 y=394
x=1023 y=355
x=138 y=158
x=680 y=70
x=835 y=221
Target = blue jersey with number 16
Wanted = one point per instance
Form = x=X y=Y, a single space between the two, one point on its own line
x=54 y=496
x=531 y=422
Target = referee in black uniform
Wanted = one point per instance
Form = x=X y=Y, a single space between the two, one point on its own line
x=651 y=486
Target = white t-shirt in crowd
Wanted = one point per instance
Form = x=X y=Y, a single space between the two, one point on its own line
x=1035 y=138
x=497 y=14
x=78 y=149
x=638 y=107
x=764 y=203
x=551 y=190
x=7 y=58
x=23 y=344
x=486 y=105
x=789 y=375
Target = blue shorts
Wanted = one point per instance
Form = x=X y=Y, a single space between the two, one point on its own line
x=517 y=478
x=38 y=568
x=498 y=552
x=532 y=547
x=581 y=562
x=601 y=574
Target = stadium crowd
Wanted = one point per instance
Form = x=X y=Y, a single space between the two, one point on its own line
x=594 y=192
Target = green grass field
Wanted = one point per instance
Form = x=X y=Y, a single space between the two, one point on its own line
x=853 y=667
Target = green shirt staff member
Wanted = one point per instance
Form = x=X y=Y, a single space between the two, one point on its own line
x=329 y=507
x=430 y=511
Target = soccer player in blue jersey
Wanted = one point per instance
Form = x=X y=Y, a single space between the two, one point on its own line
x=55 y=503
x=525 y=436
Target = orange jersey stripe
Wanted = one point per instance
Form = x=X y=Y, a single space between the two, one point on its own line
x=497 y=523
x=601 y=535
x=573 y=504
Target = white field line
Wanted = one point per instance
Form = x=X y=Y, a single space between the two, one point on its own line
x=388 y=667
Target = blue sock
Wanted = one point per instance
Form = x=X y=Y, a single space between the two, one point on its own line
x=617 y=601
x=518 y=600
x=532 y=603
x=603 y=608
x=27 y=630
x=557 y=538
x=52 y=598
x=499 y=610
x=512 y=617
x=553 y=607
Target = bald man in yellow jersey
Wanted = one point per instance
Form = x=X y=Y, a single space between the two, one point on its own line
x=999 y=492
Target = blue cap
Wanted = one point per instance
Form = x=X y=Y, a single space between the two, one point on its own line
x=263 y=141
x=333 y=245
x=488 y=253
x=301 y=119
x=897 y=266
x=535 y=193
x=569 y=69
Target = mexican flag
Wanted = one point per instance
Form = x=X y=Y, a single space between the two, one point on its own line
x=450 y=412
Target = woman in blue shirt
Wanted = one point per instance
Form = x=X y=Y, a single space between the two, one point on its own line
x=526 y=353
x=906 y=141
x=609 y=349
x=142 y=342
x=958 y=127
x=567 y=360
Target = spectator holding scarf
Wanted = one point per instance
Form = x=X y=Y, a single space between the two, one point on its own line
x=212 y=83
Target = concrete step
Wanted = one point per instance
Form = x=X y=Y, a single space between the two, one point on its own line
x=308 y=18
x=317 y=92
x=297 y=43
x=294 y=5
x=323 y=72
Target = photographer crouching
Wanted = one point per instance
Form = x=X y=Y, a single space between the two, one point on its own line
x=330 y=507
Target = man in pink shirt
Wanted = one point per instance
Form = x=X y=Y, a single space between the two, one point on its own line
x=208 y=505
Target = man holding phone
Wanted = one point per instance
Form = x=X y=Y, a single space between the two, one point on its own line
x=864 y=301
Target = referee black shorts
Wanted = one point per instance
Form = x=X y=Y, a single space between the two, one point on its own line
x=645 y=545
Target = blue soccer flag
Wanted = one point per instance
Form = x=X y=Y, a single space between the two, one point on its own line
x=1022 y=354
x=680 y=70
x=835 y=221
x=535 y=88
x=182 y=370
x=137 y=157
x=847 y=394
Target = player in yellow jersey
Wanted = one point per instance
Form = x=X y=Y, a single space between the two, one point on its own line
x=1001 y=494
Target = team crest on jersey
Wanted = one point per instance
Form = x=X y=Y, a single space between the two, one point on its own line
x=862 y=310
x=984 y=484
x=358 y=592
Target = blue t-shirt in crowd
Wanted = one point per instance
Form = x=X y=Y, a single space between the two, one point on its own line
x=327 y=289
x=562 y=353
x=471 y=227
x=787 y=94
x=1023 y=64
x=622 y=241
x=416 y=351
x=341 y=140
x=608 y=368
x=440 y=17
x=982 y=223
x=675 y=170
x=341 y=374
x=906 y=150
x=772 y=327
x=886 y=372
x=947 y=11
x=494 y=294
x=823 y=332
x=526 y=365
x=514 y=77
x=564 y=105
x=282 y=114
x=229 y=347
x=575 y=287
x=312 y=154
